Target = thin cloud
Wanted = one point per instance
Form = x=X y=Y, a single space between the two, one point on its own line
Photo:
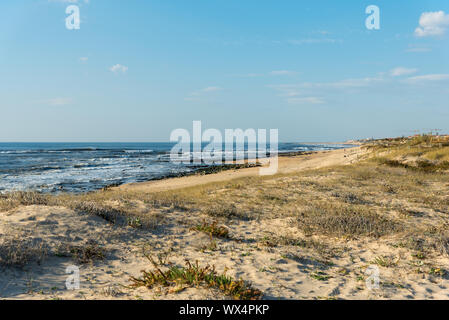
x=429 y=77
x=211 y=89
x=355 y=83
x=287 y=90
x=306 y=100
x=342 y=84
x=306 y=92
x=400 y=71
x=293 y=95
x=195 y=96
x=118 y=68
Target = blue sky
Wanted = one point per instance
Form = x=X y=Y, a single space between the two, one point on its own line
x=136 y=70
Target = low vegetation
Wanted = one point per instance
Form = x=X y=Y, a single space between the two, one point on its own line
x=342 y=220
x=337 y=201
x=88 y=252
x=213 y=229
x=17 y=250
x=194 y=275
x=397 y=195
x=426 y=153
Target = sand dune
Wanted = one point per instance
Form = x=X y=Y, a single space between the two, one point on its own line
x=270 y=251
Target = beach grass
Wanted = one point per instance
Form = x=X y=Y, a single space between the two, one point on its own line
x=194 y=275
x=354 y=200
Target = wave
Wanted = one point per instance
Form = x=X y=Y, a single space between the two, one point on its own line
x=76 y=150
x=80 y=168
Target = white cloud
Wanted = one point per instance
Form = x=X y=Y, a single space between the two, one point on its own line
x=84 y=59
x=205 y=90
x=400 y=71
x=118 y=68
x=429 y=77
x=343 y=84
x=432 y=24
x=354 y=83
x=287 y=90
x=312 y=92
x=293 y=95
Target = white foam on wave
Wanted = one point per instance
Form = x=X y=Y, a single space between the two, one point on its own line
x=83 y=171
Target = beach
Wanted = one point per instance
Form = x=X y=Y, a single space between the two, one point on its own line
x=286 y=165
x=321 y=228
x=86 y=167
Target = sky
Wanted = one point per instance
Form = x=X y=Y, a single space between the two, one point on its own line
x=136 y=70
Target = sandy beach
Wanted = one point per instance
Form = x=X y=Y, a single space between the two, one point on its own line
x=286 y=164
x=315 y=230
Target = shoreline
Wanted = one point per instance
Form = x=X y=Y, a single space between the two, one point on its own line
x=213 y=173
x=308 y=232
x=287 y=163
x=59 y=186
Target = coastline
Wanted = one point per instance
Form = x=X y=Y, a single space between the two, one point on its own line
x=288 y=163
x=55 y=168
x=308 y=232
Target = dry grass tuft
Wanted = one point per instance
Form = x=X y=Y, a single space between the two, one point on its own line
x=225 y=210
x=14 y=199
x=194 y=275
x=86 y=253
x=337 y=220
x=213 y=229
x=426 y=153
x=18 y=250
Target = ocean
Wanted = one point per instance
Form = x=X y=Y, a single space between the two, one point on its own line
x=83 y=167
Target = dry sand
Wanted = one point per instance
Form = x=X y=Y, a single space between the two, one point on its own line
x=284 y=272
x=286 y=164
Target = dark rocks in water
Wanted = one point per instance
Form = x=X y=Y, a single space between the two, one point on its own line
x=295 y=153
x=204 y=170
x=197 y=170
x=110 y=186
x=225 y=167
